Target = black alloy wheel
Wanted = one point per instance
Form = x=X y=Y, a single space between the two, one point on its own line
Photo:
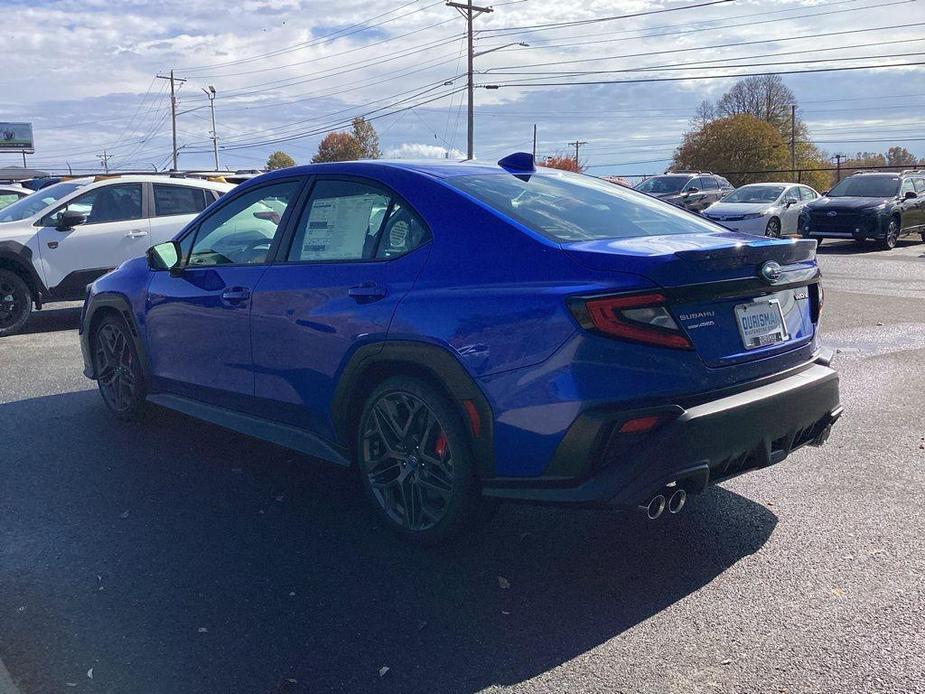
x=888 y=242
x=773 y=228
x=117 y=368
x=15 y=302
x=414 y=461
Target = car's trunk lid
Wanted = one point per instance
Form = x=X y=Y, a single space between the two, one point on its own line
x=724 y=289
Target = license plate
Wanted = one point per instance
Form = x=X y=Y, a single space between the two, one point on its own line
x=761 y=323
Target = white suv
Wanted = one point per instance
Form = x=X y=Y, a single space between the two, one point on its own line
x=60 y=238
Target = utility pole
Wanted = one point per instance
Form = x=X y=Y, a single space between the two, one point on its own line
x=104 y=160
x=173 y=110
x=470 y=12
x=210 y=92
x=793 y=141
x=576 y=144
x=534 y=142
x=838 y=158
x=24 y=160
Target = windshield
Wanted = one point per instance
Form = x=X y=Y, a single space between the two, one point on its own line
x=755 y=194
x=38 y=201
x=663 y=184
x=866 y=187
x=569 y=207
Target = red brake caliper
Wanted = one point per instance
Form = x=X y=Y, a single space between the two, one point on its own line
x=440 y=445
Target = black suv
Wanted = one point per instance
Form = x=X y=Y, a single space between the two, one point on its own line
x=694 y=191
x=868 y=206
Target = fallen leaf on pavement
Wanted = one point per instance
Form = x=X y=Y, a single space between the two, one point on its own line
x=90 y=673
x=503 y=582
x=384 y=669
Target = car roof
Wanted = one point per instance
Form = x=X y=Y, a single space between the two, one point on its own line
x=773 y=183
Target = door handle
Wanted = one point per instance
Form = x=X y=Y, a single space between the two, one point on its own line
x=234 y=295
x=136 y=234
x=367 y=292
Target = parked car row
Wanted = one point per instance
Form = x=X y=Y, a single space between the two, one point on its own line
x=871 y=206
x=56 y=240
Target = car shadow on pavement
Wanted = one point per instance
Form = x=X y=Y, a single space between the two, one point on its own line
x=172 y=555
x=50 y=320
x=854 y=248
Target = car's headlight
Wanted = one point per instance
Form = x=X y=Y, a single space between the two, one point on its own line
x=753 y=215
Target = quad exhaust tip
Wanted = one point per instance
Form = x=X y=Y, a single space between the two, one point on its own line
x=655 y=507
x=676 y=501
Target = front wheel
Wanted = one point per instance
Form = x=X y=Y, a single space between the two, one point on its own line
x=773 y=228
x=415 y=461
x=888 y=242
x=118 y=369
x=15 y=302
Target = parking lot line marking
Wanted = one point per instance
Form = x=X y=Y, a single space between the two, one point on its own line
x=6 y=682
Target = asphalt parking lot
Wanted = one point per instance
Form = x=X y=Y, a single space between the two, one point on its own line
x=172 y=556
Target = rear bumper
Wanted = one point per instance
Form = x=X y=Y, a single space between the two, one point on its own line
x=696 y=445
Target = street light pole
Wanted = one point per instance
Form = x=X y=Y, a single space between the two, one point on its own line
x=210 y=92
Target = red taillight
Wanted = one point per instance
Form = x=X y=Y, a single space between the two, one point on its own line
x=640 y=318
x=639 y=425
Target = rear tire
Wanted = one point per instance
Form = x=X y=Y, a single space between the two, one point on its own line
x=15 y=302
x=118 y=369
x=415 y=461
x=773 y=228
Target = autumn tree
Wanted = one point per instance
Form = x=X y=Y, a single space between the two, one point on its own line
x=564 y=162
x=739 y=143
x=900 y=157
x=337 y=146
x=279 y=160
x=765 y=97
x=367 y=138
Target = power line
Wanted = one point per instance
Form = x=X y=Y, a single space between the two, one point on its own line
x=581 y=22
x=691 y=78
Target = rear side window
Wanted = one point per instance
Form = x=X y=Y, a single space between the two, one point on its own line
x=172 y=200
x=352 y=221
x=566 y=207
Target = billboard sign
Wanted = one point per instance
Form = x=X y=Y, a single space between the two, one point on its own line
x=16 y=137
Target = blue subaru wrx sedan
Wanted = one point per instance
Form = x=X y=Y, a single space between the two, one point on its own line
x=463 y=333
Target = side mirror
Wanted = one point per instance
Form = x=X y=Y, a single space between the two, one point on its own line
x=692 y=190
x=69 y=219
x=790 y=201
x=164 y=256
x=825 y=193
x=911 y=195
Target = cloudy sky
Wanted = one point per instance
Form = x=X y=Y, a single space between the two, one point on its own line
x=286 y=71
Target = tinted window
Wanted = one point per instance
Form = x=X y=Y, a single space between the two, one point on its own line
x=660 y=185
x=111 y=203
x=570 y=207
x=755 y=193
x=351 y=221
x=171 y=200
x=695 y=183
x=37 y=202
x=241 y=231
x=866 y=187
x=709 y=183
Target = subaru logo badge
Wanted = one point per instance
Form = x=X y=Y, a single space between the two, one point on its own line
x=771 y=271
x=831 y=213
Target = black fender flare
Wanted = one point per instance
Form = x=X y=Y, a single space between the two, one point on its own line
x=372 y=362
x=20 y=257
x=109 y=301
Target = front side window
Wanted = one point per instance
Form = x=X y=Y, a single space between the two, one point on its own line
x=7 y=199
x=110 y=203
x=242 y=231
x=174 y=200
x=807 y=194
x=709 y=183
x=352 y=221
x=567 y=207
x=906 y=187
x=866 y=187
x=919 y=184
x=38 y=201
x=695 y=183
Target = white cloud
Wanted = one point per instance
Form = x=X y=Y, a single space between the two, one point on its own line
x=416 y=150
